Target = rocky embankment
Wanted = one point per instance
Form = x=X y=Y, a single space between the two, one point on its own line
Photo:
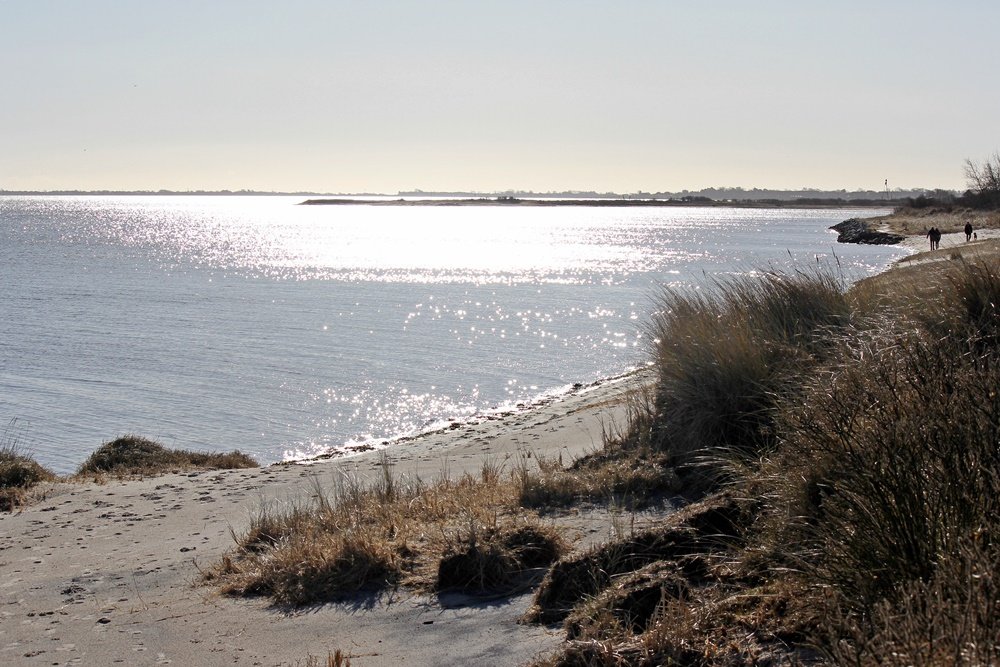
x=857 y=230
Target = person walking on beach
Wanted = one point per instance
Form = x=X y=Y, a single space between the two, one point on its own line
x=934 y=235
x=968 y=232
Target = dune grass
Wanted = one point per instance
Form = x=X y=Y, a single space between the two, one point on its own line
x=19 y=473
x=627 y=478
x=476 y=534
x=128 y=456
x=335 y=659
x=868 y=440
x=134 y=455
x=469 y=534
x=729 y=358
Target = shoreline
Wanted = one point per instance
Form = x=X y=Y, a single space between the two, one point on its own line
x=608 y=203
x=96 y=572
x=498 y=414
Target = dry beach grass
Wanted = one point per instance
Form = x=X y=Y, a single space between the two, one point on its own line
x=860 y=492
x=134 y=455
x=465 y=534
x=19 y=473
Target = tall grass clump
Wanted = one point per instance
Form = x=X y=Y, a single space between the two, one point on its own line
x=18 y=471
x=865 y=429
x=136 y=455
x=977 y=287
x=969 y=310
x=886 y=486
x=902 y=460
x=468 y=534
x=728 y=359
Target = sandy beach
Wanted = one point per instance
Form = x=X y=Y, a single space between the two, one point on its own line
x=107 y=573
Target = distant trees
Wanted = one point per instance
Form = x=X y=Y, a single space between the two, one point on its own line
x=983 y=180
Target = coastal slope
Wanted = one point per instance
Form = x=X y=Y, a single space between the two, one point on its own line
x=107 y=573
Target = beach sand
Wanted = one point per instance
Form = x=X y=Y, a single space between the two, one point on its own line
x=921 y=245
x=107 y=573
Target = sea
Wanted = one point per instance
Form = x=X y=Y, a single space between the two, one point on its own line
x=216 y=323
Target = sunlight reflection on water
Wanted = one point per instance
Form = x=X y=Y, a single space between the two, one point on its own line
x=218 y=323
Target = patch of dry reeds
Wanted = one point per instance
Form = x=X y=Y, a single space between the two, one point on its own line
x=469 y=534
x=19 y=473
x=134 y=455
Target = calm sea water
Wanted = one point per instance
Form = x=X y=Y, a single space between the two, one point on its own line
x=220 y=323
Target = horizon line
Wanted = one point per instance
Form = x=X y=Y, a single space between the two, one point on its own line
x=507 y=192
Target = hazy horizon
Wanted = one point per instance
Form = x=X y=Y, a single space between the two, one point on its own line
x=490 y=97
x=447 y=192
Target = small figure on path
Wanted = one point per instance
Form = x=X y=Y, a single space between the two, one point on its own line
x=968 y=232
x=934 y=235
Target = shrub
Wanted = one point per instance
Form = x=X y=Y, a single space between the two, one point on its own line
x=18 y=471
x=136 y=455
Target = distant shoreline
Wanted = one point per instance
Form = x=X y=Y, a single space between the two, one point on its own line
x=706 y=198
x=608 y=203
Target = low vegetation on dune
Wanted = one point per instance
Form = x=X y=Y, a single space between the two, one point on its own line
x=469 y=535
x=128 y=456
x=19 y=473
x=492 y=533
x=133 y=455
x=859 y=469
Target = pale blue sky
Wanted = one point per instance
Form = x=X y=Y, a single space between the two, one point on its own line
x=383 y=96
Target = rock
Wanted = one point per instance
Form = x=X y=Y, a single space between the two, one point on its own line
x=857 y=230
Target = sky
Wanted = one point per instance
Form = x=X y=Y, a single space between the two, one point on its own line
x=478 y=95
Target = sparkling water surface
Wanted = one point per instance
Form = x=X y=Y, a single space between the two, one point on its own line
x=285 y=331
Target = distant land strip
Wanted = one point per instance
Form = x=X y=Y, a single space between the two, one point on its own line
x=612 y=203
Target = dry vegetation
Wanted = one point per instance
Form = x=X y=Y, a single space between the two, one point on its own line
x=133 y=455
x=19 y=473
x=840 y=452
x=469 y=534
x=859 y=471
x=493 y=533
x=916 y=221
x=127 y=456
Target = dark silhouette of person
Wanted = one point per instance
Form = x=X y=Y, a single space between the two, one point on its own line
x=968 y=232
x=934 y=235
